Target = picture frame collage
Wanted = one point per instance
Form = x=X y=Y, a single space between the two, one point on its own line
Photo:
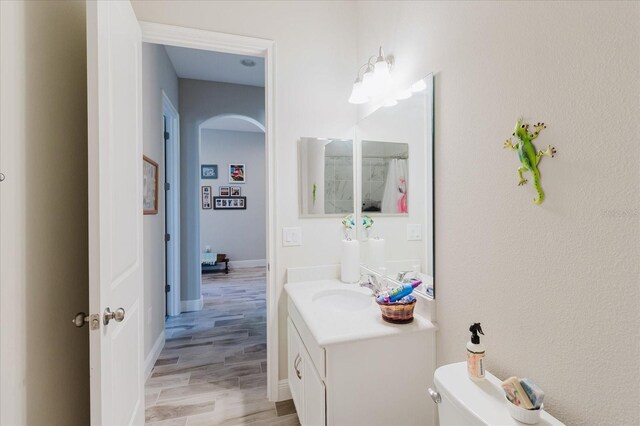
x=229 y=197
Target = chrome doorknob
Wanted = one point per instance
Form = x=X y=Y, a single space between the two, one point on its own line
x=80 y=319
x=118 y=315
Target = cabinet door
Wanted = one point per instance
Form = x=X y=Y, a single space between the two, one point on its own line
x=296 y=368
x=314 y=394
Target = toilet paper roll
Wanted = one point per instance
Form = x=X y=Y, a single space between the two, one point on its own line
x=376 y=253
x=350 y=267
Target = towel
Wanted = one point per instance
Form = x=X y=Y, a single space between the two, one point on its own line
x=209 y=258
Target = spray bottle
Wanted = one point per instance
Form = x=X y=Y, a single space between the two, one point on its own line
x=475 y=354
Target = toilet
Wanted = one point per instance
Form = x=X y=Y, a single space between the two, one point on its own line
x=463 y=402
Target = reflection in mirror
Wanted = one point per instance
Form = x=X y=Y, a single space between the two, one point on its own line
x=385 y=177
x=326 y=176
x=395 y=153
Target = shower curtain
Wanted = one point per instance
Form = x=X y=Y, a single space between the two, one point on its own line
x=394 y=198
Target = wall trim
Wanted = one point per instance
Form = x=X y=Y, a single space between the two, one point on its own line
x=247 y=263
x=151 y=359
x=284 y=392
x=192 y=305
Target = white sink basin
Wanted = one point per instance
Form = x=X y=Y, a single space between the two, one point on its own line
x=341 y=300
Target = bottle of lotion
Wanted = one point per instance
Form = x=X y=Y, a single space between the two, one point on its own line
x=475 y=354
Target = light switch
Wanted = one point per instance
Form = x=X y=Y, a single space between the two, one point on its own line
x=291 y=237
x=414 y=232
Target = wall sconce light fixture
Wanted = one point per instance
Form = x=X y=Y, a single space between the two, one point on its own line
x=375 y=81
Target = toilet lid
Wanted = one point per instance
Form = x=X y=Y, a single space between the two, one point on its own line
x=483 y=400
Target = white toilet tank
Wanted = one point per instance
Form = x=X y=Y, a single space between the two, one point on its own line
x=468 y=403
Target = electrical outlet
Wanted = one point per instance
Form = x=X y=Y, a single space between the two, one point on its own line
x=414 y=232
x=291 y=237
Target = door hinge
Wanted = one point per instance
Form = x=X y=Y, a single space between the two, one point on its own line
x=167 y=186
x=167 y=288
x=167 y=237
x=268 y=267
x=166 y=136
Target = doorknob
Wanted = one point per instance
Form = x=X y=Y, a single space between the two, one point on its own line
x=81 y=319
x=118 y=315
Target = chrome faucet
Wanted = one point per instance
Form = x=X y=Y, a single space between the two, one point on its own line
x=371 y=282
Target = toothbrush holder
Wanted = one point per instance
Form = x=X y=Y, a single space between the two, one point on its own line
x=397 y=312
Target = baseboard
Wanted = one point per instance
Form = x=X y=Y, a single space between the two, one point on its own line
x=284 y=392
x=151 y=359
x=192 y=305
x=247 y=263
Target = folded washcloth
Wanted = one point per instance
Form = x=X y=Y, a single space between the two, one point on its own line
x=209 y=258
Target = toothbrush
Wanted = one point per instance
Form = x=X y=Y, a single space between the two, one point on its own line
x=398 y=293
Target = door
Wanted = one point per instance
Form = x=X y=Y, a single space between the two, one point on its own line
x=115 y=212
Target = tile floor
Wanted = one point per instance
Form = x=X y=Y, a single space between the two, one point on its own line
x=212 y=370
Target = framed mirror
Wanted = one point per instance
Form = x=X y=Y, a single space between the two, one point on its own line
x=394 y=146
x=326 y=177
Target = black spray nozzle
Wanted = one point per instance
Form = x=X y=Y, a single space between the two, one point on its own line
x=475 y=329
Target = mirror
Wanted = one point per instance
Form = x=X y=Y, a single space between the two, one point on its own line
x=326 y=177
x=394 y=146
x=384 y=177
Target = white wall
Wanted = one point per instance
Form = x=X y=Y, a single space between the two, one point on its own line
x=240 y=234
x=44 y=365
x=158 y=75
x=555 y=286
x=315 y=67
x=200 y=101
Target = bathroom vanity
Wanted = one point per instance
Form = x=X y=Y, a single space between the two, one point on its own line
x=347 y=366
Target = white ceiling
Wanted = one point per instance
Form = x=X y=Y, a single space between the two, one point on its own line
x=214 y=66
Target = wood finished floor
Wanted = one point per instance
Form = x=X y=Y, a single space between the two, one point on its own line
x=212 y=370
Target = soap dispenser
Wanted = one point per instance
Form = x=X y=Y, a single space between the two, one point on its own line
x=475 y=353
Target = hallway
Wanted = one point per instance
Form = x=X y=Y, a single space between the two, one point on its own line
x=212 y=370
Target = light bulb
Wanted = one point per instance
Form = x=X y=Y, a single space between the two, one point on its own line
x=418 y=86
x=357 y=94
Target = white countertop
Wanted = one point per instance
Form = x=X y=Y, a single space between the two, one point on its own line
x=331 y=327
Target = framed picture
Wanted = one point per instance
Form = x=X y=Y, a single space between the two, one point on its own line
x=229 y=203
x=236 y=191
x=149 y=186
x=209 y=171
x=223 y=191
x=237 y=173
x=206 y=197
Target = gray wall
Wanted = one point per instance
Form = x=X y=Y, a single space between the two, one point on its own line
x=158 y=75
x=199 y=101
x=44 y=374
x=241 y=234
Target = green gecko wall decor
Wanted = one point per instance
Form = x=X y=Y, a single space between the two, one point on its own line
x=527 y=154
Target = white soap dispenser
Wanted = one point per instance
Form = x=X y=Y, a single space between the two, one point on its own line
x=475 y=353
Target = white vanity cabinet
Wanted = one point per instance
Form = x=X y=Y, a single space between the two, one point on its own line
x=377 y=377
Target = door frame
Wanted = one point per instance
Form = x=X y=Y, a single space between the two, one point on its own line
x=241 y=45
x=172 y=205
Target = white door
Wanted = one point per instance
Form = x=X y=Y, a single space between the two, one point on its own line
x=115 y=212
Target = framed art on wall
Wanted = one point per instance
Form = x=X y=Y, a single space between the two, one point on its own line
x=236 y=191
x=237 y=173
x=206 y=197
x=223 y=191
x=209 y=171
x=229 y=203
x=149 y=186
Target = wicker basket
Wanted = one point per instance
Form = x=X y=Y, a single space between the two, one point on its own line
x=397 y=312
